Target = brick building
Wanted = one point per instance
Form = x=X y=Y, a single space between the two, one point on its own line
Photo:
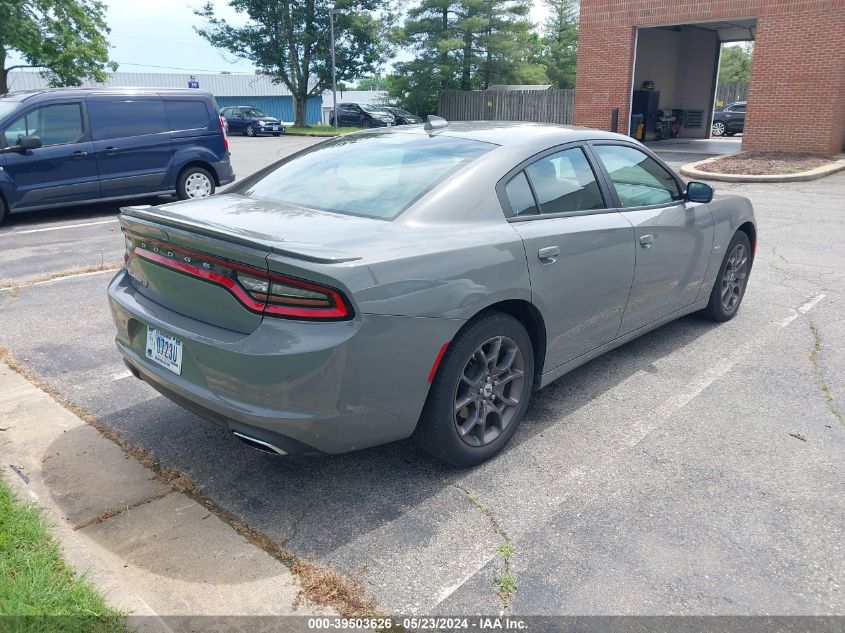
x=796 y=96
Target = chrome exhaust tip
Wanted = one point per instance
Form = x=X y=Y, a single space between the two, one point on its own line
x=260 y=445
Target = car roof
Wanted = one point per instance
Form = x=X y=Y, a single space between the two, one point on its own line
x=46 y=94
x=516 y=132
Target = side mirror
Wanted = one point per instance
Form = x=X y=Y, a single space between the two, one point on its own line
x=699 y=192
x=29 y=142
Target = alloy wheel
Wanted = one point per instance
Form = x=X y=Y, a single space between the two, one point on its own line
x=718 y=128
x=250 y=131
x=198 y=185
x=734 y=277
x=489 y=391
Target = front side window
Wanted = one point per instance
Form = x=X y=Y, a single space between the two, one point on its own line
x=54 y=124
x=121 y=118
x=375 y=176
x=639 y=179
x=565 y=182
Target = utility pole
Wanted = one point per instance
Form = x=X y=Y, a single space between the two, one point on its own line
x=334 y=70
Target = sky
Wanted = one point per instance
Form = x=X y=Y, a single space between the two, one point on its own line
x=158 y=36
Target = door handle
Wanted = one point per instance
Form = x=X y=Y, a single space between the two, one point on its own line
x=79 y=154
x=111 y=150
x=646 y=241
x=549 y=254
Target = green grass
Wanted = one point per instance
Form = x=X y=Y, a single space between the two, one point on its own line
x=38 y=591
x=320 y=130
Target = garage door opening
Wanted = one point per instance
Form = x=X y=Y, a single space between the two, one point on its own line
x=675 y=78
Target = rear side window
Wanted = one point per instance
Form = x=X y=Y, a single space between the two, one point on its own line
x=120 y=118
x=55 y=124
x=519 y=196
x=186 y=115
x=565 y=182
x=638 y=178
x=375 y=176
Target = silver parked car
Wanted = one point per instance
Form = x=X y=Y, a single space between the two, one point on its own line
x=420 y=280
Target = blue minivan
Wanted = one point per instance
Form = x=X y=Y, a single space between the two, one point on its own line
x=69 y=146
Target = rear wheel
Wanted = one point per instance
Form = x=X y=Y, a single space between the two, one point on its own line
x=194 y=183
x=480 y=393
x=730 y=285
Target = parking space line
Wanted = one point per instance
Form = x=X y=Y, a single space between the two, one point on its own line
x=804 y=308
x=24 y=284
x=56 y=228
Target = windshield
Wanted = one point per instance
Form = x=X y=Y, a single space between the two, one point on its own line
x=401 y=112
x=253 y=112
x=375 y=176
x=7 y=107
x=366 y=107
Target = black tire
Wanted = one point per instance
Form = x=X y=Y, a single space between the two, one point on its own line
x=437 y=431
x=184 y=187
x=277 y=133
x=3 y=211
x=716 y=309
x=249 y=131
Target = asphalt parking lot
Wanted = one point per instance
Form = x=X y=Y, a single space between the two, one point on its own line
x=696 y=470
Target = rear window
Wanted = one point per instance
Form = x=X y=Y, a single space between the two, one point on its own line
x=120 y=118
x=186 y=115
x=375 y=176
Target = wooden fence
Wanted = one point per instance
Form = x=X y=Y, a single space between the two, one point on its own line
x=544 y=106
x=730 y=92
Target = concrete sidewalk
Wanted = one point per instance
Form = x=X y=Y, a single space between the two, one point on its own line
x=152 y=550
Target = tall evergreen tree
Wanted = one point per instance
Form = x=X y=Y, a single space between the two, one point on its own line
x=560 y=37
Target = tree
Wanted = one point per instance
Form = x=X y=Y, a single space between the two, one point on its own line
x=65 y=38
x=506 y=46
x=735 y=64
x=560 y=38
x=289 y=41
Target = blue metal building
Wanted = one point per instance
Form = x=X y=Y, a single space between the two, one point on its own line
x=228 y=89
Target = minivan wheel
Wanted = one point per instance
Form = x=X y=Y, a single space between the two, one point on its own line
x=250 y=131
x=732 y=280
x=194 y=183
x=480 y=392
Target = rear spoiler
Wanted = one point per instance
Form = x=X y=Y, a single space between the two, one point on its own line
x=154 y=220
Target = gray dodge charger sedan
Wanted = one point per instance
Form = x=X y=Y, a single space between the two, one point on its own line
x=419 y=280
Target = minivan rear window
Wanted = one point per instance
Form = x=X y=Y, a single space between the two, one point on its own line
x=186 y=115
x=124 y=117
x=371 y=175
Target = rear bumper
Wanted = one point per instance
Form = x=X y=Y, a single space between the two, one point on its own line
x=305 y=387
x=225 y=173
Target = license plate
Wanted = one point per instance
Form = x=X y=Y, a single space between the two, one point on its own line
x=164 y=350
x=275 y=128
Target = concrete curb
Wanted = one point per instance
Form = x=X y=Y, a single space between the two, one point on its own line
x=692 y=170
x=151 y=550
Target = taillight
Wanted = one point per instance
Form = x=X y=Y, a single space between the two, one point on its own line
x=256 y=289
x=290 y=297
x=223 y=130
